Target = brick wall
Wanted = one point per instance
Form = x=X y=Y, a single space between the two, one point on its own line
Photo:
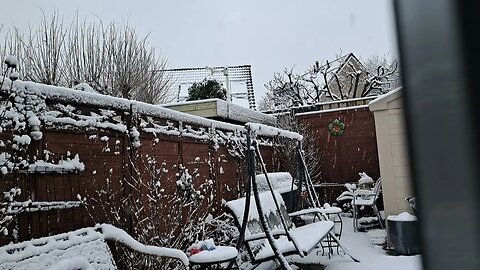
x=343 y=157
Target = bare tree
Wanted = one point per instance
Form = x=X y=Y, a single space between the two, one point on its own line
x=387 y=71
x=112 y=58
x=286 y=149
x=286 y=90
x=344 y=78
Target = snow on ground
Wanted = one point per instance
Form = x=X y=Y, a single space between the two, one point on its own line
x=372 y=256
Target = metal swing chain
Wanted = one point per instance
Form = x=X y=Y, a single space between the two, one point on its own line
x=264 y=170
x=281 y=259
x=308 y=183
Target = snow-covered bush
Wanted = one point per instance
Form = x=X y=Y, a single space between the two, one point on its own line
x=7 y=212
x=156 y=214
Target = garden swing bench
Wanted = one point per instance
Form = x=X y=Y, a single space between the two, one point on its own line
x=265 y=226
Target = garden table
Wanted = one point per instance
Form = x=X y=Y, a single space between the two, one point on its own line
x=212 y=259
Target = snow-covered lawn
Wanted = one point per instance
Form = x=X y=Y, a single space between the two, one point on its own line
x=365 y=246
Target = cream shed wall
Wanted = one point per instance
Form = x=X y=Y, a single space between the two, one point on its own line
x=392 y=151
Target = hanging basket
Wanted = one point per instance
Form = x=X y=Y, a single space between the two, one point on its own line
x=336 y=127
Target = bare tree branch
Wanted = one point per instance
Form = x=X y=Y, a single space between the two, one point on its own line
x=343 y=78
x=112 y=58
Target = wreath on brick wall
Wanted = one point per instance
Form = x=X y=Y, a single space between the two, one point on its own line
x=336 y=127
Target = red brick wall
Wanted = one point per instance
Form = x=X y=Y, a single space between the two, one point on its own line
x=343 y=157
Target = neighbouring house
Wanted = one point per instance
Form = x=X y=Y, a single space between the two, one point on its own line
x=221 y=110
x=392 y=151
x=340 y=80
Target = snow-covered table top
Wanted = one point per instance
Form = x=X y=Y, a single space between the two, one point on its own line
x=219 y=254
x=331 y=210
x=313 y=211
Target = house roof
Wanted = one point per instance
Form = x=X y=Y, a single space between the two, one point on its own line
x=339 y=63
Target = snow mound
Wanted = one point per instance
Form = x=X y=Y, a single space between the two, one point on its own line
x=281 y=182
x=74 y=263
x=63 y=166
x=219 y=254
x=85 y=87
x=365 y=179
x=11 y=61
x=405 y=216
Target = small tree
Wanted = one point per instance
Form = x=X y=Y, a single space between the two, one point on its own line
x=206 y=89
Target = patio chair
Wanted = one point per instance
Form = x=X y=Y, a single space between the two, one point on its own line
x=367 y=198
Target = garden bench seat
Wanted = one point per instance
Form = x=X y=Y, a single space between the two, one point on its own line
x=296 y=240
x=84 y=249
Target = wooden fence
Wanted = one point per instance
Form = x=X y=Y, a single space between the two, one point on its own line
x=112 y=157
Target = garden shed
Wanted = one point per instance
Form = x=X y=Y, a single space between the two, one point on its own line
x=392 y=151
x=222 y=110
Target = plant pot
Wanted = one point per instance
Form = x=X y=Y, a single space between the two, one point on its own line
x=404 y=236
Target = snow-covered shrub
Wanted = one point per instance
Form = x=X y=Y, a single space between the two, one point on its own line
x=135 y=137
x=7 y=213
x=174 y=218
x=345 y=199
x=19 y=110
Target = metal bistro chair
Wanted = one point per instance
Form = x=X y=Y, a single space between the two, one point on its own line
x=366 y=198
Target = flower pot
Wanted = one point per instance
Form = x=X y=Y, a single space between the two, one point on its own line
x=404 y=236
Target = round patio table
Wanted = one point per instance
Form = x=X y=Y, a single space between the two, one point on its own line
x=212 y=259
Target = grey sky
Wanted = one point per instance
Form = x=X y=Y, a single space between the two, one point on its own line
x=269 y=35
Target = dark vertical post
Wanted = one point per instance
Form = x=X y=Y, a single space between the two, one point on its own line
x=250 y=155
x=128 y=173
x=300 y=173
x=252 y=146
x=438 y=64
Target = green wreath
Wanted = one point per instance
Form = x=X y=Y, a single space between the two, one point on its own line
x=336 y=127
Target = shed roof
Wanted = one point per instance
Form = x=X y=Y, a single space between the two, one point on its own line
x=222 y=110
x=381 y=102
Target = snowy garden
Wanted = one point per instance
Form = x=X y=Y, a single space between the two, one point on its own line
x=92 y=181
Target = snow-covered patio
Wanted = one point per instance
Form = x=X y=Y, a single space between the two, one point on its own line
x=366 y=246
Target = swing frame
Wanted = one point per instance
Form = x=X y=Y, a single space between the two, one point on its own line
x=251 y=186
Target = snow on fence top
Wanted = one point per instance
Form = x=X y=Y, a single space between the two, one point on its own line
x=264 y=130
x=71 y=96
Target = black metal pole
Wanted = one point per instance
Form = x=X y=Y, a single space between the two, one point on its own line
x=283 y=263
x=249 y=154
